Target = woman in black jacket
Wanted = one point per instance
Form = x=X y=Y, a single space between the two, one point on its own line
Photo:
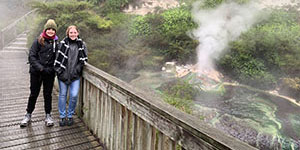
x=69 y=61
x=41 y=59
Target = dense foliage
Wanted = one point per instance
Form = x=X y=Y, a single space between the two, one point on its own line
x=266 y=52
x=215 y=3
x=116 y=53
x=167 y=33
x=68 y=12
x=180 y=94
x=110 y=5
x=120 y=42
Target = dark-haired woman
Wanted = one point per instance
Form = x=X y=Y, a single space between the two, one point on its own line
x=41 y=59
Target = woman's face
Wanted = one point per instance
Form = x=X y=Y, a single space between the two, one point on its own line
x=73 y=34
x=50 y=32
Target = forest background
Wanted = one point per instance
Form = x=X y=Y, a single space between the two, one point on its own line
x=121 y=43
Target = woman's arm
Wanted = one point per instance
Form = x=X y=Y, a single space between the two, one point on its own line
x=33 y=58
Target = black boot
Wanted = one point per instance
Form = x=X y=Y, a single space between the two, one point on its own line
x=70 y=121
x=62 y=122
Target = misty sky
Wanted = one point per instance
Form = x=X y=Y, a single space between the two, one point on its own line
x=11 y=10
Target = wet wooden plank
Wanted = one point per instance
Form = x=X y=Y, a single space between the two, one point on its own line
x=14 y=92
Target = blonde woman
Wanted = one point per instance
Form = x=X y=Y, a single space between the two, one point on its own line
x=70 y=59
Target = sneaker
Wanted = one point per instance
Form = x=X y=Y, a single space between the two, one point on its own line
x=62 y=122
x=26 y=120
x=70 y=121
x=49 y=121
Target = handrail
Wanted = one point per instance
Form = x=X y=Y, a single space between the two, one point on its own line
x=10 y=32
x=125 y=118
x=16 y=21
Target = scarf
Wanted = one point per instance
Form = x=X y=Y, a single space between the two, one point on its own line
x=44 y=35
x=61 y=59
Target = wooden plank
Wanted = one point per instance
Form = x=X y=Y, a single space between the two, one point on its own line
x=160 y=141
x=134 y=132
x=129 y=130
x=124 y=128
x=113 y=124
x=105 y=120
x=14 y=96
x=97 y=112
x=93 y=107
x=102 y=85
x=153 y=139
x=85 y=102
x=118 y=126
x=110 y=122
x=102 y=115
x=140 y=137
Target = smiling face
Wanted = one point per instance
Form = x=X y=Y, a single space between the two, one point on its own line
x=73 y=33
x=50 y=32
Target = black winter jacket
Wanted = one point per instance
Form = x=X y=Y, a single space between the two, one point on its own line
x=42 y=57
x=69 y=63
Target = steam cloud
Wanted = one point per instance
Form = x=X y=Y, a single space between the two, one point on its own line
x=219 y=26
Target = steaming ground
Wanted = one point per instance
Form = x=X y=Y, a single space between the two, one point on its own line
x=217 y=27
x=264 y=120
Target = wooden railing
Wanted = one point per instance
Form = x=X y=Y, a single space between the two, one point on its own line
x=10 y=32
x=124 y=118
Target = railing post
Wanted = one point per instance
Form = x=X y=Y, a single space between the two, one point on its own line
x=80 y=99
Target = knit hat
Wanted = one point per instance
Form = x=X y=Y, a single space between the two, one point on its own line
x=50 y=24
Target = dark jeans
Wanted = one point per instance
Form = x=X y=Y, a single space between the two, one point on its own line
x=36 y=80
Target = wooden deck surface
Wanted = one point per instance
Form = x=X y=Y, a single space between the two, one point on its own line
x=14 y=92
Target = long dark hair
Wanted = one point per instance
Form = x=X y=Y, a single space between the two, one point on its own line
x=41 y=40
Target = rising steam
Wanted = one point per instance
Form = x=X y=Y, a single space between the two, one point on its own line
x=219 y=26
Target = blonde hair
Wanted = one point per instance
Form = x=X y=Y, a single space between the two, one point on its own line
x=70 y=27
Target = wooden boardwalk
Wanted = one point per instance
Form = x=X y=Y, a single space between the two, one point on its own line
x=14 y=92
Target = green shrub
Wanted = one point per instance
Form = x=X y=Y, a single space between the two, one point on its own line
x=141 y=26
x=69 y=12
x=99 y=59
x=120 y=19
x=179 y=94
x=111 y=6
x=215 y=3
x=118 y=53
x=167 y=32
x=266 y=52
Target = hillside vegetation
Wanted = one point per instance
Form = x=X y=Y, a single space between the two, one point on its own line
x=129 y=45
x=266 y=56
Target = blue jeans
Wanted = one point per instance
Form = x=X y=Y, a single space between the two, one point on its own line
x=62 y=98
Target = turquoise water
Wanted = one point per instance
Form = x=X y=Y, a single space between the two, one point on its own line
x=263 y=120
